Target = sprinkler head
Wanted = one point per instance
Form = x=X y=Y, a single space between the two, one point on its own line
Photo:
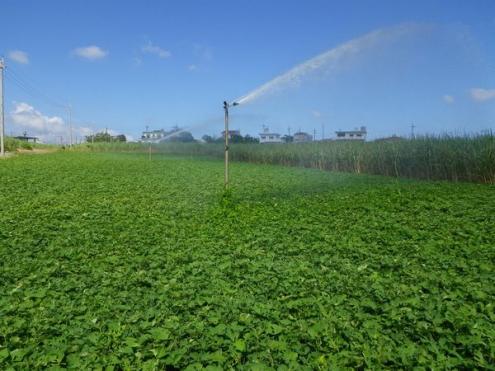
x=235 y=104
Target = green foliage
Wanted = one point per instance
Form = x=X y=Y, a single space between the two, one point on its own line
x=469 y=158
x=233 y=139
x=120 y=138
x=99 y=137
x=26 y=145
x=11 y=145
x=114 y=261
x=105 y=137
x=242 y=139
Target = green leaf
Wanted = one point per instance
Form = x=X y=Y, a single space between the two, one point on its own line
x=160 y=333
x=240 y=345
x=4 y=353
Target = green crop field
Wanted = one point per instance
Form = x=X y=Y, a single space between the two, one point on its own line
x=111 y=261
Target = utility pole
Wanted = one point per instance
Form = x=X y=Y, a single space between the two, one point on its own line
x=226 y=136
x=2 y=115
x=314 y=134
x=69 y=112
x=149 y=142
x=412 y=130
x=288 y=130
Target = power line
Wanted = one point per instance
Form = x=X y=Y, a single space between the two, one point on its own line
x=29 y=86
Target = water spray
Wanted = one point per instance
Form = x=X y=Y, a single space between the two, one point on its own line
x=331 y=60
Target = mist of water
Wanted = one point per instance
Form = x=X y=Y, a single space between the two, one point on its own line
x=331 y=60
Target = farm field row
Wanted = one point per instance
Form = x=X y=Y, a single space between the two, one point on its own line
x=108 y=259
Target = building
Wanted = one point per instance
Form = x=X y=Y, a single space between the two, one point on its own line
x=232 y=133
x=267 y=137
x=153 y=135
x=301 y=137
x=356 y=134
x=26 y=138
x=157 y=135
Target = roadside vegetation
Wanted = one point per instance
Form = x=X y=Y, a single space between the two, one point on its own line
x=453 y=158
x=13 y=145
x=112 y=261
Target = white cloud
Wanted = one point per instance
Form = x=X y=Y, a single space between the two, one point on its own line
x=154 y=49
x=316 y=114
x=91 y=52
x=449 y=99
x=29 y=119
x=19 y=56
x=481 y=95
x=25 y=118
x=192 y=67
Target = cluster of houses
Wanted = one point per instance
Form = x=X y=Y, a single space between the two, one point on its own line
x=266 y=136
x=300 y=137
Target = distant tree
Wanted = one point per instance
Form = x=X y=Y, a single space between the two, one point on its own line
x=233 y=139
x=105 y=137
x=243 y=139
x=288 y=138
x=249 y=139
x=99 y=137
x=236 y=138
x=208 y=138
x=183 y=137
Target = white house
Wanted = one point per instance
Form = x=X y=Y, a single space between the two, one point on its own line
x=267 y=137
x=357 y=134
x=157 y=135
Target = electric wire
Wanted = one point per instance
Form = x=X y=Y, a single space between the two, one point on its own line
x=29 y=87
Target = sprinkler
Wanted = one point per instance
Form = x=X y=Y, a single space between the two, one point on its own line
x=226 y=135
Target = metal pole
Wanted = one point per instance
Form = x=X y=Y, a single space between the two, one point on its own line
x=226 y=132
x=2 y=115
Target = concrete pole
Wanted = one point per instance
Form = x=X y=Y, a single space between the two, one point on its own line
x=226 y=132
x=2 y=115
x=69 y=111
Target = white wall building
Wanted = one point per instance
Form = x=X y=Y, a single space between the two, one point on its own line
x=357 y=134
x=267 y=137
x=158 y=135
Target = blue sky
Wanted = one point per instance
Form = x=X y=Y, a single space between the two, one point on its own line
x=124 y=65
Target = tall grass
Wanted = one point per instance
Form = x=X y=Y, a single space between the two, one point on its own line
x=12 y=145
x=454 y=158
